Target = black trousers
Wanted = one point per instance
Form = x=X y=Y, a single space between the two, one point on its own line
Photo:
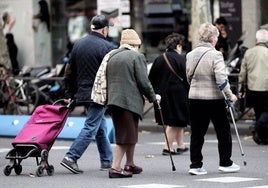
x=201 y=113
x=258 y=100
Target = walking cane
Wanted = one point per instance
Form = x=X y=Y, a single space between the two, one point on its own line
x=229 y=106
x=162 y=119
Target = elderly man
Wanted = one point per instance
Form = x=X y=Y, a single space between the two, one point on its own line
x=86 y=57
x=254 y=73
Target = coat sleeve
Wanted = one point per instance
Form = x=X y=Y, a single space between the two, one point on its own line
x=142 y=79
x=219 y=68
x=70 y=79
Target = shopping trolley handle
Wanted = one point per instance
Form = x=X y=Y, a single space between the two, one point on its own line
x=68 y=105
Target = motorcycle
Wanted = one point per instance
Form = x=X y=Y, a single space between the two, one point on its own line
x=233 y=65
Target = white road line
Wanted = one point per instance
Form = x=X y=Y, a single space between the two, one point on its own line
x=3 y=150
x=153 y=186
x=228 y=179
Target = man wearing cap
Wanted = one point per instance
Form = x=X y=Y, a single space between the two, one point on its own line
x=80 y=72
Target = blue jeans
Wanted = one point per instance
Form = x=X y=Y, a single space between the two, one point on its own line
x=94 y=128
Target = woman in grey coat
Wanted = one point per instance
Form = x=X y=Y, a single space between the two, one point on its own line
x=128 y=84
x=205 y=69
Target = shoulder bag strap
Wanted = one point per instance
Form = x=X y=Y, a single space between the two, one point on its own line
x=169 y=65
x=198 y=62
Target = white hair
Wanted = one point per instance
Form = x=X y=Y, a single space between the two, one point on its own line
x=262 y=35
x=208 y=32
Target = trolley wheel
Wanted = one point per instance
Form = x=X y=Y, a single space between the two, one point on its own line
x=44 y=155
x=7 y=170
x=18 y=169
x=50 y=170
x=40 y=171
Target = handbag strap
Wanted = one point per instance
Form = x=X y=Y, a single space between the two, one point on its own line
x=169 y=65
x=198 y=62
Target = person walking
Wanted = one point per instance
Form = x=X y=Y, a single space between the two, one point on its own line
x=85 y=59
x=173 y=88
x=128 y=84
x=8 y=22
x=253 y=65
x=205 y=70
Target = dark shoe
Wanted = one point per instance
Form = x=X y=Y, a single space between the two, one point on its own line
x=166 y=152
x=133 y=169
x=180 y=150
x=105 y=167
x=71 y=165
x=256 y=138
x=113 y=173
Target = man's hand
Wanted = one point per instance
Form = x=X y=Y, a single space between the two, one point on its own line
x=68 y=101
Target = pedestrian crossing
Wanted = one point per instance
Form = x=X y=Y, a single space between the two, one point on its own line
x=228 y=179
x=225 y=180
x=152 y=186
x=219 y=180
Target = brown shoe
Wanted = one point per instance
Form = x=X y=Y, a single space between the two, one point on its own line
x=133 y=169
x=113 y=173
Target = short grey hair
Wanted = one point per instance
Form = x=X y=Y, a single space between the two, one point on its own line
x=262 y=35
x=208 y=32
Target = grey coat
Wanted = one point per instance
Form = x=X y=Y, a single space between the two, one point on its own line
x=127 y=81
x=209 y=74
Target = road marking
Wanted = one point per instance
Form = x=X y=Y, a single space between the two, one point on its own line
x=228 y=179
x=263 y=186
x=60 y=147
x=153 y=186
x=3 y=150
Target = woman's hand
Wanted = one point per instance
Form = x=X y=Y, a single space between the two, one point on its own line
x=158 y=98
x=233 y=98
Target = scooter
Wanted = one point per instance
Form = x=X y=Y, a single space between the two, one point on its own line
x=236 y=56
x=233 y=65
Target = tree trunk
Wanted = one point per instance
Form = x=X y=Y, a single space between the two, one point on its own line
x=201 y=13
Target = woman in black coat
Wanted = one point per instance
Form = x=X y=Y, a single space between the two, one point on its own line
x=174 y=92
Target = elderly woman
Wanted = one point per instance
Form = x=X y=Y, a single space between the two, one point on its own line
x=173 y=88
x=127 y=84
x=205 y=71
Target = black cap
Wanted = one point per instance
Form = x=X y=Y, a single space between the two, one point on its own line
x=100 y=21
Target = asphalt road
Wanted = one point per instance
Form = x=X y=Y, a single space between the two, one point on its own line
x=157 y=168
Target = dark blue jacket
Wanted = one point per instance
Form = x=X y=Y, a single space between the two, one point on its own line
x=86 y=57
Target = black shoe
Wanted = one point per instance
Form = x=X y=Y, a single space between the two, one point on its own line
x=166 y=152
x=71 y=165
x=180 y=150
